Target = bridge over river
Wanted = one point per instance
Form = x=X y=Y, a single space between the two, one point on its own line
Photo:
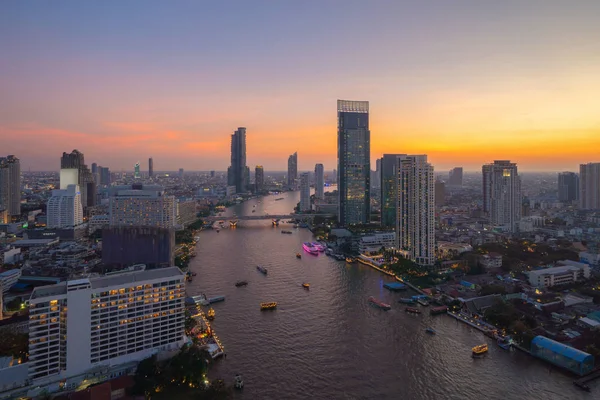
x=276 y=217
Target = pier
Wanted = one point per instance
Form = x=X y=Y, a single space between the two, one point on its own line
x=582 y=382
x=212 y=337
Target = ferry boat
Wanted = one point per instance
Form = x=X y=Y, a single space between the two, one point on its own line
x=280 y=198
x=253 y=210
x=350 y=260
x=298 y=255
x=239 y=382
x=379 y=304
x=241 y=283
x=412 y=310
x=268 y=306
x=480 y=349
x=216 y=299
x=306 y=286
x=286 y=232
x=262 y=270
x=318 y=246
x=430 y=331
x=309 y=248
x=406 y=301
x=423 y=302
x=210 y=314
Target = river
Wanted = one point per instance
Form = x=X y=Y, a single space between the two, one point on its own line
x=328 y=342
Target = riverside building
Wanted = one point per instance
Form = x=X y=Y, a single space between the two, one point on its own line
x=111 y=321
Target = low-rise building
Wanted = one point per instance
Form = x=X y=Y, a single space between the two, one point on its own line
x=9 y=278
x=491 y=260
x=374 y=242
x=566 y=272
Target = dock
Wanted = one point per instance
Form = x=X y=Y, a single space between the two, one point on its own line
x=214 y=345
x=582 y=382
x=395 y=286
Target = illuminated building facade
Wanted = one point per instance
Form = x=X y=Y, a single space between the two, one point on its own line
x=502 y=194
x=415 y=221
x=354 y=162
x=111 y=320
x=141 y=205
x=136 y=171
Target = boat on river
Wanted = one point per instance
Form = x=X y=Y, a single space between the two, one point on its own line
x=262 y=270
x=210 y=314
x=298 y=255
x=350 y=260
x=268 y=306
x=306 y=286
x=480 y=349
x=216 y=299
x=423 y=302
x=412 y=310
x=430 y=331
x=239 y=382
x=241 y=283
x=286 y=232
x=380 y=304
x=318 y=246
x=309 y=248
x=438 y=310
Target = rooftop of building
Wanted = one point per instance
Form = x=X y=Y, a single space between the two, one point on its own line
x=124 y=279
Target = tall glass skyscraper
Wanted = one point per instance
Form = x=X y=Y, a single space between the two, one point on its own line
x=354 y=162
x=319 y=181
x=292 y=177
x=389 y=193
x=568 y=186
x=237 y=173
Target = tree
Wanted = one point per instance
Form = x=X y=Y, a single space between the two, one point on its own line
x=146 y=377
x=491 y=289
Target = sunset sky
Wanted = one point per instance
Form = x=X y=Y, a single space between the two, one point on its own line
x=465 y=82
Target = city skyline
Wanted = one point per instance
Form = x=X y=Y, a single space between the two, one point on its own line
x=463 y=94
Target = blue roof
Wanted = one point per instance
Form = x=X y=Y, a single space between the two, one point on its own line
x=10 y=272
x=394 y=285
x=560 y=348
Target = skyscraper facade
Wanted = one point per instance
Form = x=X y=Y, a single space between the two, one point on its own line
x=354 y=162
x=104 y=176
x=388 y=171
x=292 y=176
x=259 y=178
x=237 y=173
x=589 y=186
x=150 y=167
x=136 y=171
x=319 y=181
x=440 y=193
x=415 y=221
x=455 y=177
x=74 y=171
x=502 y=194
x=305 y=192
x=64 y=208
x=10 y=185
x=568 y=187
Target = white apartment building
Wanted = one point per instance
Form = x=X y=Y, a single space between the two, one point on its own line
x=415 y=222
x=567 y=272
x=141 y=205
x=8 y=279
x=502 y=194
x=304 y=192
x=374 y=243
x=319 y=181
x=111 y=320
x=64 y=208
